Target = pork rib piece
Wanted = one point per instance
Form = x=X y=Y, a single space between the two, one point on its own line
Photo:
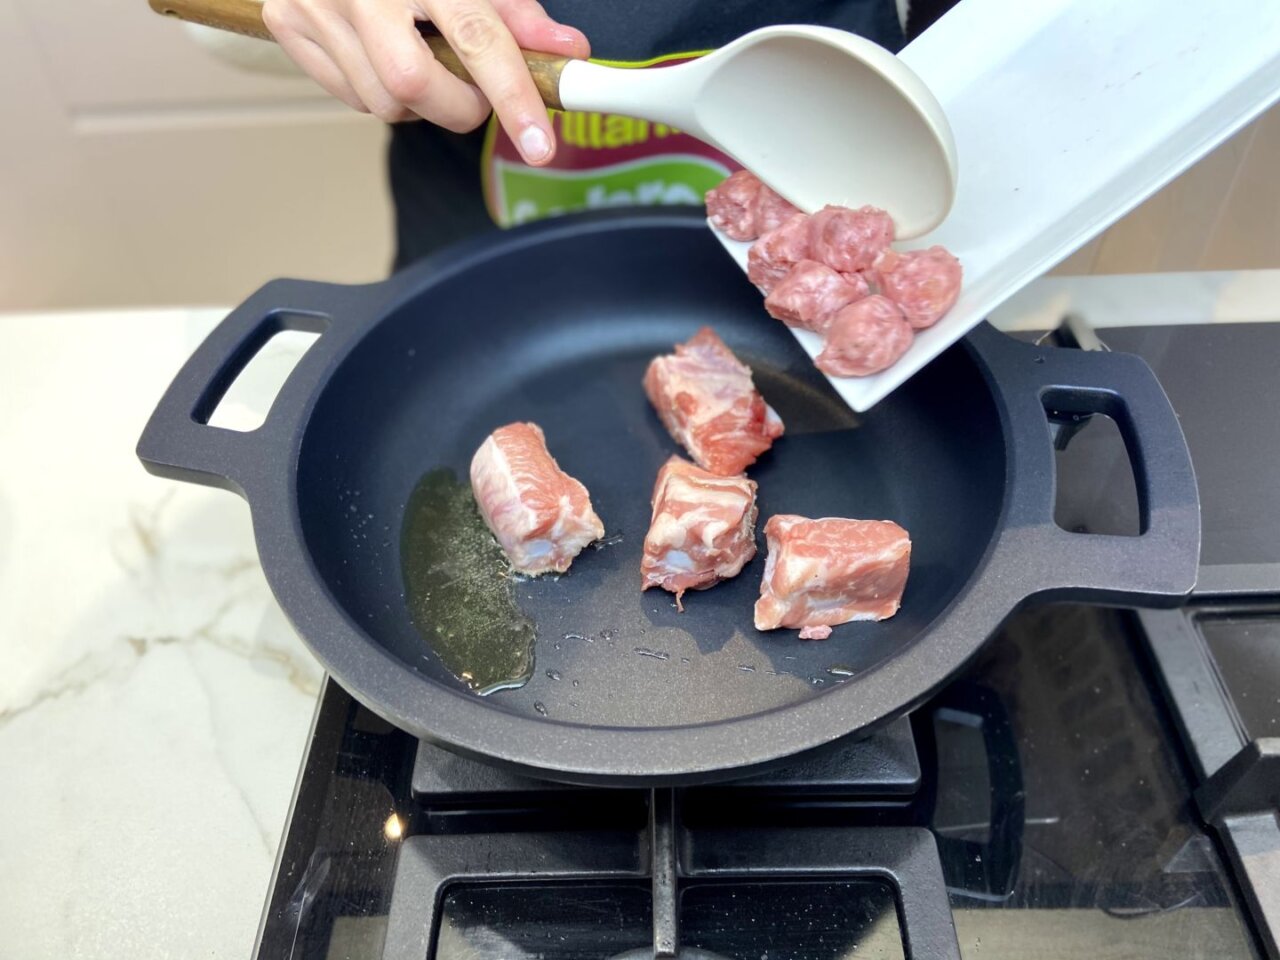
x=705 y=398
x=811 y=294
x=702 y=531
x=830 y=571
x=865 y=337
x=924 y=283
x=541 y=516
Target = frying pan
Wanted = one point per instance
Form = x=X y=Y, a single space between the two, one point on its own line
x=555 y=323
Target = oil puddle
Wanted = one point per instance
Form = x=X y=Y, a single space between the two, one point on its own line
x=459 y=590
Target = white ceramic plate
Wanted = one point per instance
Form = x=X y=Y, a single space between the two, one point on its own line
x=1066 y=115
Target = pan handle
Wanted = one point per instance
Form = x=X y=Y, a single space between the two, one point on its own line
x=1157 y=567
x=178 y=442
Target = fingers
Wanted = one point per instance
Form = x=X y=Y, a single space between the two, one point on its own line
x=410 y=75
x=344 y=46
x=485 y=46
x=369 y=54
x=534 y=30
x=316 y=35
x=317 y=64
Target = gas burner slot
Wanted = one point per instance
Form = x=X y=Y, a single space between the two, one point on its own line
x=853 y=782
x=686 y=869
x=457 y=795
x=762 y=918
x=1210 y=658
x=520 y=921
x=975 y=799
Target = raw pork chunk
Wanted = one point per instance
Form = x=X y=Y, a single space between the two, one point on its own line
x=706 y=399
x=702 y=531
x=742 y=207
x=541 y=516
x=731 y=206
x=811 y=294
x=772 y=210
x=817 y=273
x=830 y=571
x=864 y=338
x=776 y=252
x=849 y=240
x=924 y=283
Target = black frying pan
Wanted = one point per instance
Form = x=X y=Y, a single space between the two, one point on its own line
x=555 y=323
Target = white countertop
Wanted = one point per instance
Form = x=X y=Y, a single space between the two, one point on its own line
x=154 y=703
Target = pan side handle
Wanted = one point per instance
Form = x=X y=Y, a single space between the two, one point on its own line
x=178 y=442
x=1158 y=567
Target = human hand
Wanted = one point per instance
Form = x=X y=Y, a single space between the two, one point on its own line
x=369 y=54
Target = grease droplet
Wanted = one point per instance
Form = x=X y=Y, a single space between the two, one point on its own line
x=540 y=707
x=606 y=541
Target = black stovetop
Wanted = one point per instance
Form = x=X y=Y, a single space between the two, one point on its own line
x=1072 y=794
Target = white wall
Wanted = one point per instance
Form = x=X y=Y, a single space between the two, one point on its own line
x=1222 y=214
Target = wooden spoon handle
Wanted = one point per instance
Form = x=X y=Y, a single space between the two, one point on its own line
x=245 y=17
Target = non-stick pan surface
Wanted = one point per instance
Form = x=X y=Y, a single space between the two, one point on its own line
x=555 y=324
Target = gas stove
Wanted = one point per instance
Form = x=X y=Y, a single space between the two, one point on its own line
x=1097 y=783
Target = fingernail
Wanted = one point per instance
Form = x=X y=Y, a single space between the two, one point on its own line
x=535 y=144
x=565 y=35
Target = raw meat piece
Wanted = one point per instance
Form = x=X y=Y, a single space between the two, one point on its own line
x=731 y=206
x=772 y=210
x=743 y=208
x=924 y=283
x=815 y=270
x=865 y=337
x=809 y=296
x=776 y=252
x=830 y=571
x=706 y=399
x=541 y=516
x=849 y=240
x=702 y=532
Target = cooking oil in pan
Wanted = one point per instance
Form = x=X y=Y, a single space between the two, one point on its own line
x=459 y=590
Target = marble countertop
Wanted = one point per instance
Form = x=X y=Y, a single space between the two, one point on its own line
x=154 y=702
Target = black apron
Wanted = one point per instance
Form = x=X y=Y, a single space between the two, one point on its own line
x=448 y=186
